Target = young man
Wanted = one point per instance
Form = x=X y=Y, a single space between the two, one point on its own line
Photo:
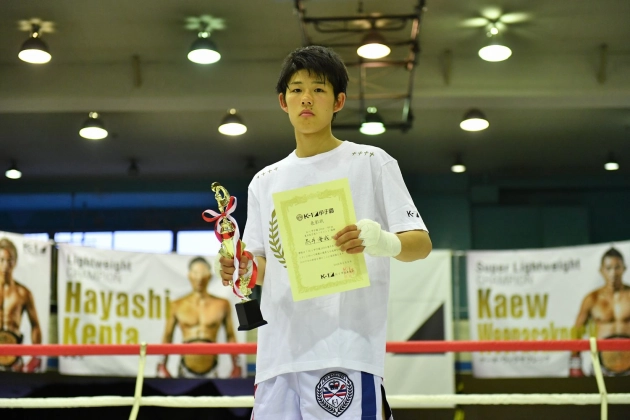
x=15 y=298
x=609 y=308
x=324 y=357
x=199 y=315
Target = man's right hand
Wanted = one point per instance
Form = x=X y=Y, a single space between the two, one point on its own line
x=162 y=371
x=575 y=367
x=227 y=268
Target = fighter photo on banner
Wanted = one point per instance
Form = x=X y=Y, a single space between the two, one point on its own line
x=116 y=297
x=549 y=294
x=24 y=298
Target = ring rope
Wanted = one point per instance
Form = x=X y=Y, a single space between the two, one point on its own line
x=396 y=401
x=137 y=396
x=599 y=377
x=617 y=344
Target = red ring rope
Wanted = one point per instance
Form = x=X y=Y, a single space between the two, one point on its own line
x=621 y=344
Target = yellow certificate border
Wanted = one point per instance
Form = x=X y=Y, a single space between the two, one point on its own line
x=358 y=260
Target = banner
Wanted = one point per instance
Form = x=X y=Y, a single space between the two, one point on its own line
x=420 y=309
x=24 y=298
x=116 y=297
x=548 y=294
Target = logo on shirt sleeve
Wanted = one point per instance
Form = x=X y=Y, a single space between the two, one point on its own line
x=334 y=393
x=413 y=214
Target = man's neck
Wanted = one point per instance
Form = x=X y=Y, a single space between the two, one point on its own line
x=6 y=281
x=613 y=286
x=308 y=145
x=200 y=295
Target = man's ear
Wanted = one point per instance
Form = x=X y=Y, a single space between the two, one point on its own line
x=340 y=102
x=283 y=103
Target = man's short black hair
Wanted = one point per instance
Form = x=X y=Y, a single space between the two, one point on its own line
x=201 y=260
x=322 y=61
x=612 y=253
x=6 y=243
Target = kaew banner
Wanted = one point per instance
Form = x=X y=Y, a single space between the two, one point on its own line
x=116 y=297
x=25 y=280
x=549 y=294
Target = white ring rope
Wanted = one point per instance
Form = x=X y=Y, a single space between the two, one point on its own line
x=395 y=401
x=137 y=396
x=599 y=377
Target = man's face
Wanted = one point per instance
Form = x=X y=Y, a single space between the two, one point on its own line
x=612 y=269
x=6 y=263
x=199 y=276
x=310 y=102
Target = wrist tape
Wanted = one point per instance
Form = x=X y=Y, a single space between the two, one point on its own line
x=378 y=242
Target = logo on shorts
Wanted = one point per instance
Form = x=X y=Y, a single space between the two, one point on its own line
x=334 y=393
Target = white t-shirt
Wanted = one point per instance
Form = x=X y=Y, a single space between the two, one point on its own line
x=340 y=330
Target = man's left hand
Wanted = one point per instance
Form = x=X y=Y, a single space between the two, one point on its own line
x=33 y=365
x=236 y=372
x=347 y=239
x=368 y=236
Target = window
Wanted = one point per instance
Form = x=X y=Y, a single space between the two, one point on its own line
x=199 y=242
x=37 y=236
x=101 y=240
x=160 y=241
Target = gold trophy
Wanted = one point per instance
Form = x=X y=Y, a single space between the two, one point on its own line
x=248 y=311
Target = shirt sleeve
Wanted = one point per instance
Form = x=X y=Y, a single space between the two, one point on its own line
x=253 y=235
x=400 y=211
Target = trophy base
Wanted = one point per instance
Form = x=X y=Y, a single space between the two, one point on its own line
x=249 y=315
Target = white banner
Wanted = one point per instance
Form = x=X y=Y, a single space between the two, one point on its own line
x=420 y=309
x=127 y=297
x=548 y=294
x=24 y=297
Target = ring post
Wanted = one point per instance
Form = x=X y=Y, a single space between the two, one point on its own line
x=600 y=379
x=137 y=396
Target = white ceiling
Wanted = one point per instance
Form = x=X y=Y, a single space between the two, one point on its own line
x=548 y=112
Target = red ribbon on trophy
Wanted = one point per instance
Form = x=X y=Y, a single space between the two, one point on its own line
x=238 y=250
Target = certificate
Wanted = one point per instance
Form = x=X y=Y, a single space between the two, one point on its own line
x=308 y=218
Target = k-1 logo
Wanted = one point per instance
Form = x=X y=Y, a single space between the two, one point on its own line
x=413 y=214
x=34 y=248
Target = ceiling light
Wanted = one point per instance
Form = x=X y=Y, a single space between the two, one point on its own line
x=458 y=167
x=611 y=164
x=93 y=128
x=203 y=50
x=474 y=120
x=373 y=46
x=495 y=50
x=34 y=50
x=13 y=172
x=232 y=125
x=373 y=124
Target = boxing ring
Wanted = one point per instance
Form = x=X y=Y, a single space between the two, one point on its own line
x=396 y=401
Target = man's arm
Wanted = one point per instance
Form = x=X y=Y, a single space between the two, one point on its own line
x=575 y=363
x=36 y=332
x=404 y=246
x=415 y=245
x=262 y=264
x=167 y=338
x=584 y=314
x=231 y=338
